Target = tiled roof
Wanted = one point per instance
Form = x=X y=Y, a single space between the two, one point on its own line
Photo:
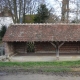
x=42 y=32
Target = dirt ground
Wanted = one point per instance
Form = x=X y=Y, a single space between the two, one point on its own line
x=17 y=73
x=36 y=76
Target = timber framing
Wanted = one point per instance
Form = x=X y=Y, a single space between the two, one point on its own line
x=57 y=46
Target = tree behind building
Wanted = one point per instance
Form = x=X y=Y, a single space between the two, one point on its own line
x=42 y=14
x=2 y=31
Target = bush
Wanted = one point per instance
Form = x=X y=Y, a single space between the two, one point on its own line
x=2 y=31
x=30 y=47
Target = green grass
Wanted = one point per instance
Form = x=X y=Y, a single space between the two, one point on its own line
x=44 y=66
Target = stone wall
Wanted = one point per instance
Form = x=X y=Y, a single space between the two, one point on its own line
x=12 y=48
x=9 y=48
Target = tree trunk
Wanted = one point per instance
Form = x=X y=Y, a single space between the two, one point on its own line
x=65 y=11
x=24 y=12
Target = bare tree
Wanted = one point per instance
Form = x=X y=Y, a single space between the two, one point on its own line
x=77 y=11
x=65 y=11
x=19 y=8
x=2 y=4
x=15 y=9
x=53 y=18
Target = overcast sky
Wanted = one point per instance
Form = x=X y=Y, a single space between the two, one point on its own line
x=56 y=4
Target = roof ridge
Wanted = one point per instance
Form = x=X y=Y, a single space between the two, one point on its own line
x=46 y=24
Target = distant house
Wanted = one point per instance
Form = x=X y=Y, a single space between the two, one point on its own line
x=5 y=12
x=47 y=38
x=5 y=17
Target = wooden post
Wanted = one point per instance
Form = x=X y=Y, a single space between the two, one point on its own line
x=57 y=50
x=57 y=46
x=78 y=48
x=57 y=53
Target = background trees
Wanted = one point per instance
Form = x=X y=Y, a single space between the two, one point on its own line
x=42 y=14
x=70 y=11
x=19 y=8
x=2 y=31
x=65 y=10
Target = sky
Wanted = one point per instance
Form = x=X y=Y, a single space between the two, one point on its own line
x=56 y=4
x=53 y=1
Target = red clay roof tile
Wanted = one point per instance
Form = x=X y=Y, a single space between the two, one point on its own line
x=43 y=32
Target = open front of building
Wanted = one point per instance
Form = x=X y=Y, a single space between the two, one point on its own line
x=67 y=48
x=43 y=48
x=47 y=39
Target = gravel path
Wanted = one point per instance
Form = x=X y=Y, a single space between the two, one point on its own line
x=30 y=76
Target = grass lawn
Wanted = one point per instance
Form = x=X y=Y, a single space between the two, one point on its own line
x=44 y=66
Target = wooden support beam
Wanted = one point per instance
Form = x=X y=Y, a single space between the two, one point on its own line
x=53 y=44
x=78 y=49
x=57 y=53
x=57 y=46
x=57 y=49
x=61 y=44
